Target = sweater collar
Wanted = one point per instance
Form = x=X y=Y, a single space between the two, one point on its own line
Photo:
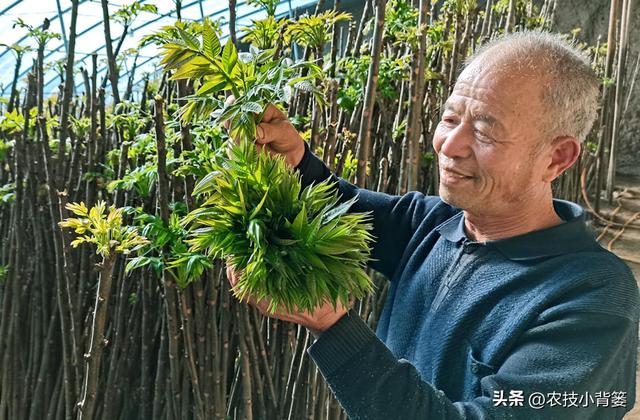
x=571 y=236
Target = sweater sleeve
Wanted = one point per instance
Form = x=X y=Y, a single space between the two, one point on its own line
x=579 y=356
x=394 y=218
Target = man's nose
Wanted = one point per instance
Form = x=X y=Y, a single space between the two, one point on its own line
x=457 y=142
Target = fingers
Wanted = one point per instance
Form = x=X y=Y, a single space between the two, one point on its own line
x=277 y=130
x=273 y=113
x=231 y=276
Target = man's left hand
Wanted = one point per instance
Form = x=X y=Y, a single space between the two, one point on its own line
x=321 y=319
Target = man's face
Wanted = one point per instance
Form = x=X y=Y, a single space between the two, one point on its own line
x=486 y=139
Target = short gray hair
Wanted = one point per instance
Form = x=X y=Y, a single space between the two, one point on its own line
x=571 y=89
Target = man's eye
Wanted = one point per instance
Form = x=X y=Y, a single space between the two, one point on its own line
x=482 y=136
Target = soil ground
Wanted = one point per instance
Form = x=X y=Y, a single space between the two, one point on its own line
x=624 y=240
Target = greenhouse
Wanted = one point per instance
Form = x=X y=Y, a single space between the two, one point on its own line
x=329 y=209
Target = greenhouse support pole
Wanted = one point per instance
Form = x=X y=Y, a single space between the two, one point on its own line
x=64 y=33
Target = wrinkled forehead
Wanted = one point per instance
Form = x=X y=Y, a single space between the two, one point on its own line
x=502 y=89
x=505 y=76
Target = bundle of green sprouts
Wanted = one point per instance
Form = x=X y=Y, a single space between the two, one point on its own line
x=296 y=247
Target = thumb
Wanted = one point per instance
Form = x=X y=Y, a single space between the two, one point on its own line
x=280 y=131
x=272 y=113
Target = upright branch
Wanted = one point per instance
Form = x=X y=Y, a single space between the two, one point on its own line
x=163 y=180
x=111 y=59
x=111 y=237
x=509 y=23
x=364 y=134
x=414 y=123
x=606 y=94
x=625 y=22
x=232 y=22
x=170 y=291
x=67 y=93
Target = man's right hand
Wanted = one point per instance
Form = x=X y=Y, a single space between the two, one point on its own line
x=278 y=135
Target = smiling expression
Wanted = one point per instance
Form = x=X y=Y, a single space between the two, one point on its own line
x=486 y=139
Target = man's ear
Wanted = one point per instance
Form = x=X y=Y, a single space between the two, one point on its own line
x=564 y=151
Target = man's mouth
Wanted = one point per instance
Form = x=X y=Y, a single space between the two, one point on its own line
x=455 y=173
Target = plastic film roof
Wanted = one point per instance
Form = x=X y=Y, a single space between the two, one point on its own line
x=90 y=34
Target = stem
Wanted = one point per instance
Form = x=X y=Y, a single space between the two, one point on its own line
x=111 y=59
x=97 y=340
x=364 y=134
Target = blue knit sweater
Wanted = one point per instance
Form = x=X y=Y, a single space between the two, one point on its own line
x=542 y=325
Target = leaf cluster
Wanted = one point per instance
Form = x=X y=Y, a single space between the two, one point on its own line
x=129 y=119
x=167 y=249
x=314 y=30
x=104 y=228
x=255 y=78
x=268 y=5
x=208 y=148
x=17 y=50
x=298 y=247
x=80 y=126
x=13 y=122
x=352 y=71
x=401 y=21
x=263 y=33
x=41 y=34
x=141 y=179
x=126 y=14
x=391 y=71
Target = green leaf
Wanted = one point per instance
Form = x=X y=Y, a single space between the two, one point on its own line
x=210 y=42
x=229 y=56
x=213 y=86
x=338 y=210
x=137 y=262
x=194 y=67
x=305 y=85
x=189 y=39
x=260 y=204
x=254 y=107
x=299 y=221
x=255 y=232
x=206 y=183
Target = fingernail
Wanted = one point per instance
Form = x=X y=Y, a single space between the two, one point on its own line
x=260 y=132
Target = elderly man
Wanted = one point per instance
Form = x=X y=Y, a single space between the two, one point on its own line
x=501 y=303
